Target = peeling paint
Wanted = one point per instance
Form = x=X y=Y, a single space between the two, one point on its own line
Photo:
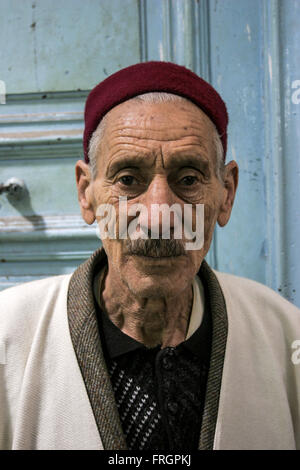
x=233 y=152
x=161 y=50
x=248 y=32
x=270 y=66
x=41 y=117
x=27 y=135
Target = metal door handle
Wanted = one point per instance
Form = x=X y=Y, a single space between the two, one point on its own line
x=14 y=188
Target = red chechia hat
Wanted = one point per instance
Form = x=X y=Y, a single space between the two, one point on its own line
x=149 y=77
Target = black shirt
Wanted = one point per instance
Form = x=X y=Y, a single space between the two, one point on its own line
x=159 y=393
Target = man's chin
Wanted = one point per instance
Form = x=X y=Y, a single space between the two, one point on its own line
x=152 y=286
x=158 y=277
x=166 y=261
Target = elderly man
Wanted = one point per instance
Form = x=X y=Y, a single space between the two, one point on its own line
x=144 y=346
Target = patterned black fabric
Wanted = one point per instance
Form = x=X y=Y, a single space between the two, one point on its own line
x=160 y=397
x=133 y=385
x=159 y=393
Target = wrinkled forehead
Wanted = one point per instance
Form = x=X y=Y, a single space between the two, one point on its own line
x=168 y=130
x=165 y=120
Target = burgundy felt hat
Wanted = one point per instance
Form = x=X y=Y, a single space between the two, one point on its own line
x=153 y=76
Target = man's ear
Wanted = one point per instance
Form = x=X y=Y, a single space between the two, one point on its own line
x=231 y=178
x=83 y=183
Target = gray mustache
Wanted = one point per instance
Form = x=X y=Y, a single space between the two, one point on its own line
x=154 y=248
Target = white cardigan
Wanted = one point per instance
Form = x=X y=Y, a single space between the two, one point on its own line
x=43 y=399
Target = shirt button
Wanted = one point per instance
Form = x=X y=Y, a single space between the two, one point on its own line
x=172 y=407
x=171 y=351
x=167 y=384
x=167 y=364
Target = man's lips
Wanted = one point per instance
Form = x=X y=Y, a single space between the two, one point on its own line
x=156 y=256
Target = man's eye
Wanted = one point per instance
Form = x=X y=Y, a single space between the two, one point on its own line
x=127 y=180
x=188 y=180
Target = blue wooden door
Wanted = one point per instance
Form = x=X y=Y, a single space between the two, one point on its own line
x=52 y=53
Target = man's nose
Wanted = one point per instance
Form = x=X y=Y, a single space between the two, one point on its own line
x=157 y=200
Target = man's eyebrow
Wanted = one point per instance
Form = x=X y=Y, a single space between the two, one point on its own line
x=180 y=160
x=132 y=161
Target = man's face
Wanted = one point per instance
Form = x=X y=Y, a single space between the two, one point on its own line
x=157 y=154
